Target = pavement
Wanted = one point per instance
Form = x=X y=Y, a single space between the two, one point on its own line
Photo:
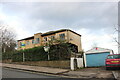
x=35 y=68
x=116 y=74
x=101 y=72
x=14 y=73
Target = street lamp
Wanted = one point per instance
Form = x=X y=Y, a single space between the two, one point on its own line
x=46 y=48
x=23 y=46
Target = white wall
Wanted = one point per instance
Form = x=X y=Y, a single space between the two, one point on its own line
x=79 y=63
x=72 y=64
x=85 y=60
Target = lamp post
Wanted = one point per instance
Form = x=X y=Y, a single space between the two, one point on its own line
x=46 y=48
x=23 y=55
x=23 y=46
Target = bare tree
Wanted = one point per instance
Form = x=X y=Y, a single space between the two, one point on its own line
x=117 y=40
x=7 y=39
x=94 y=44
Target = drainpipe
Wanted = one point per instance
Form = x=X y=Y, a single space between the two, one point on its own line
x=67 y=36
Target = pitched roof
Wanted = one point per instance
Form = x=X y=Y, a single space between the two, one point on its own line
x=32 y=37
x=98 y=50
x=49 y=33
x=61 y=30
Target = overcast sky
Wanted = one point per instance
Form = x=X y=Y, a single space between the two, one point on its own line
x=95 y=21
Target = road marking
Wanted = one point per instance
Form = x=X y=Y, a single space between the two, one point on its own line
x=115 y=74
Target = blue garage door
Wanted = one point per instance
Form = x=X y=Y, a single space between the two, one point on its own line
x=96 y=59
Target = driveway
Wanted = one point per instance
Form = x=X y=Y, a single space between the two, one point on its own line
x=91 y=73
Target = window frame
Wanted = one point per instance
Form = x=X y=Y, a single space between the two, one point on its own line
x=28 y=43
x=45 y=39
x=33 y=41
x=52 y=37
x=37 y=40
x=61 y=36
x=113 y=57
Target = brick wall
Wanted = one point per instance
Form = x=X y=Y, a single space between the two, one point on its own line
x=54 y=64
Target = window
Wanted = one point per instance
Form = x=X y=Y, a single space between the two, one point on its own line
x=20 y=44
x=62 y=36
x=27 y=42
x=114 y=57
x=52 y=37
x=37 y=40
x=32 y=41
x=45 y=38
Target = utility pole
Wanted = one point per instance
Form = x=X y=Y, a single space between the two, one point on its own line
x=118 y=28
x=118 y=39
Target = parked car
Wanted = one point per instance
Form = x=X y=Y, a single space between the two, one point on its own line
x=113 y=61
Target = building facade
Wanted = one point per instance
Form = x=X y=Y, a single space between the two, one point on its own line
x=39 y=39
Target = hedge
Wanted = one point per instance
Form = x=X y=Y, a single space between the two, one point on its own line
x=7 y=55
x=57 y=52
x=60 y=52
x=33 y=54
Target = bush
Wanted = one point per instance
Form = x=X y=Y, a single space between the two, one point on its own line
x=33 y=54
x=60 y=52
x=17 y=57
x=57 y=52
x=7 y=55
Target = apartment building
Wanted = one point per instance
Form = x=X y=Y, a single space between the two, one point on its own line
x=39 y=39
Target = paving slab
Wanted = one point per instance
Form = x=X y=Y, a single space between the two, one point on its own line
x=90 y=73
x=116 y=74
x=100 y=73
x=35 y=68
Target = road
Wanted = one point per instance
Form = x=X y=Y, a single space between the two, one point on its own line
x=13 y=73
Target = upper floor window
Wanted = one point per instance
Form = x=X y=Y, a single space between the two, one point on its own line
x=45 y=38
x=37 y=40
x=27 y=43
x=32 y=41
x=52 y=37
x=62 y=36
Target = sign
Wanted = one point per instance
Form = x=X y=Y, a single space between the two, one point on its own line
x=23 y=44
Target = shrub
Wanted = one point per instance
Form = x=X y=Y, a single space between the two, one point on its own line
x=60 y=52
x=57 y=52
x=33 y=54
x=7 y=55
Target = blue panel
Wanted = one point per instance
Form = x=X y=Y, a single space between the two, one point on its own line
x=96 y=59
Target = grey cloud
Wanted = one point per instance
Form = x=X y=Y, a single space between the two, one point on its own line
x=51 y=16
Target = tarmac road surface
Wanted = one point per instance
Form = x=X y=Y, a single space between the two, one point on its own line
x=98 y=73
x=13 y=73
